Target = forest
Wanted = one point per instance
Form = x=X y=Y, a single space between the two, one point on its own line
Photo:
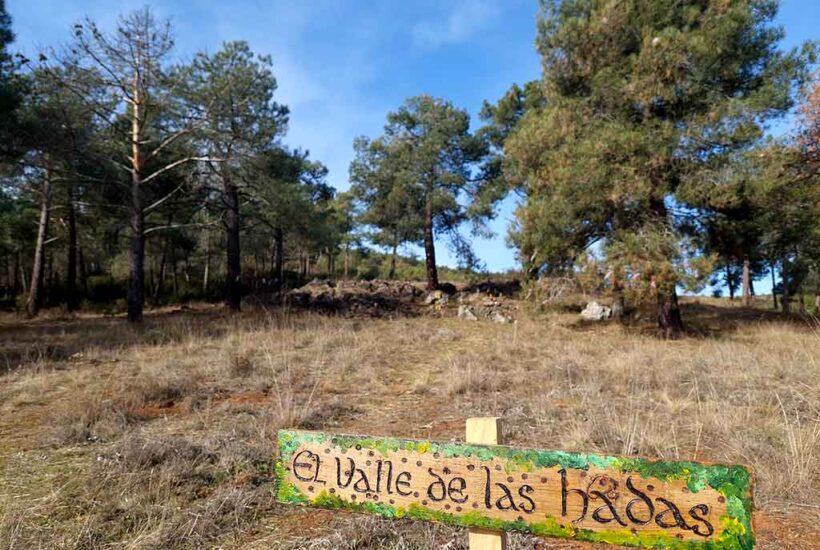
x=646 y=166
x=181 y=278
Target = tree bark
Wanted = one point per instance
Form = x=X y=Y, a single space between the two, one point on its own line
x=82 y=270
x=23 y=277
x=429 y=241
x=8 y=274
x=174 y=279
x=730 y=283
x=207 y=271
x=72 y=300
x=774 y=282
x=279 y=266
x=136 y=279
x=35 y=295
x=747 y=283
x=392 y=274
x=618 y=295
x=347 y=261
x=669 y=317
x=163 y=261
x=233 y=283
x=784 y=271
x=50 y=279
x=18 y=268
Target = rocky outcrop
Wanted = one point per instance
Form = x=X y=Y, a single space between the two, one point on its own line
x=596 y=312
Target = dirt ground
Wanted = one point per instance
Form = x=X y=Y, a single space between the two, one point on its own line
x=163 y=436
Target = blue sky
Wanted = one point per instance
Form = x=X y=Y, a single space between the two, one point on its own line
x=343 y=64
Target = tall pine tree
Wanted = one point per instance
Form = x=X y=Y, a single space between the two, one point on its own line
x=644 y=100
x=424 y=163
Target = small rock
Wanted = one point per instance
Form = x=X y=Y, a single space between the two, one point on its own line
x=500 y=318
x=465 y=312
x=596 y=312
x=436 y=297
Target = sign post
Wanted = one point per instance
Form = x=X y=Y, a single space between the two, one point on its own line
x=486 y=431
x=493 y=488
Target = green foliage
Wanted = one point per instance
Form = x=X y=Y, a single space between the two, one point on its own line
x=644 y=104
x=232 y=92
x=12 y=89
x=412 y=181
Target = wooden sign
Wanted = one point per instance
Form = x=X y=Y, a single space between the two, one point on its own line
x=616 y=500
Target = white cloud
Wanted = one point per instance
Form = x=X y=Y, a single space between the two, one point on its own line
x=464 y=19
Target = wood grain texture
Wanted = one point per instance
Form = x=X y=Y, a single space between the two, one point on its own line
x=485 y=431
x=550 y=493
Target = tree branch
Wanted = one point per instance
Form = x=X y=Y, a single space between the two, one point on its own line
x=177 y=163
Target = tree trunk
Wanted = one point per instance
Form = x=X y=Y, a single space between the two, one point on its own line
x=774 y=282
x=669 y=317
x=347 y=261
x=392 y=274
x=207 y=271
x=174 y=279
x=234 y=278
x=163 y=261
x=49 y=280
x=747 y=283
x=72 y=300
x=617 y=295
x=35 y=295
x=136 y=279
x=801 y=300
x=279 y=267
x=18 y=268
x=23 y=277
x=9 y=276
x=730 y=283
x=82 y=270
x=429 y=241
x=784 y=271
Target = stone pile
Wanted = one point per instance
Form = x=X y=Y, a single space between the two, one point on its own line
x=373 y=298
x=473 y=306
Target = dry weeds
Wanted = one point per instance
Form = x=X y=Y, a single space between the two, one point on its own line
x=163 y=437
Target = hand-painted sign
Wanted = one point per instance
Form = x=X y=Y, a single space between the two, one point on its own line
x=628 y=501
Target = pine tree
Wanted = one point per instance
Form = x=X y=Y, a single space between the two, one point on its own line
x=11 y=89
x=644 y=99
x=130 y=66
x=231 y=92
x=419 y=169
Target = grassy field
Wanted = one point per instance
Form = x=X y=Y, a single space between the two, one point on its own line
x=163 y=436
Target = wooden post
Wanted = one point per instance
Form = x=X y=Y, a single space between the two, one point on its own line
x=485 y=431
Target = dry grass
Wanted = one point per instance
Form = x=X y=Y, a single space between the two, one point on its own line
x=164 y=437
